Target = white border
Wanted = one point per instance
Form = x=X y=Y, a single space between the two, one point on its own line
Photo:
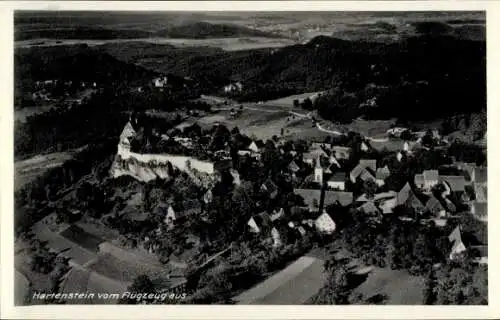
x=240 y=312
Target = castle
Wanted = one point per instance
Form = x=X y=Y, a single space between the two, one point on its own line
x=148 y=167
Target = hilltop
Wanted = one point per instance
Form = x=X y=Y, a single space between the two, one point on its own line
x=74 y=63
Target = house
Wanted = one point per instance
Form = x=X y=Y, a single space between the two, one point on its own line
x=341 y=152
x=311 y=156
x=238 y=86
x=160 y=82
x=170 y=217
x=378 y=197
x=270 y=188
x=341 y=197
x=396 y=131
x=479 y=175
x=312 y=197
x=458 y=247
x=337 y=181
x=277 y=214
x=381 y=174
x=427 y=180
x=399 y=156
x=369 y=208
x=259 y=222
x=480 y=254
x=369 y=164
x=236 y=176
x=479 y=210
x=455 y=183
x=320 y=145
x=364 y=170
x=434 y=206
x=324 y=224
x=406 y=197
x=356 y=172
x=208 y=197
x=301 y=230
x=481 y=192
x=333 y=161
x=406 y=146
x=275 y=234
x=253 y=147
x=364 y=146
x=388 y=205
x=254 y=228
x=430 y=178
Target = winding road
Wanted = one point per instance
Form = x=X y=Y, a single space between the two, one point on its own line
x=300 y=115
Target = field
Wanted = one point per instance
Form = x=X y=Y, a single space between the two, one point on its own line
x=293 y=285
x=84 y=239
x=288 y=101
x=400 y=287
x=29 y=169
x=23 y=113
x=227 y=44
x=125 y=270
x=264 y=124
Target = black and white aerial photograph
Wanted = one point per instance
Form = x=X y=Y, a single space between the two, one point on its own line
x=250 y=158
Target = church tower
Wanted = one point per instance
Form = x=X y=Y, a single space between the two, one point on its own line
x=318 y=171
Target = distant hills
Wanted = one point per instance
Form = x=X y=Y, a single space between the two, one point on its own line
x=205 y=30
x=191 y=30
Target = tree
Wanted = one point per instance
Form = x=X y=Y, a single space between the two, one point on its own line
x=141 y=284
x=307 y=104
x=429 y=293
x=428 y=139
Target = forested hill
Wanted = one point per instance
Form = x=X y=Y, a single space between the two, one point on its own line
x=432 y=71
x=205 y=30
x=74 y=63
x=325 y=60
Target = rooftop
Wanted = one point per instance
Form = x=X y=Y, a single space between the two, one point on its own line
x=331 y=197
x=456 y=183
x=338 y=177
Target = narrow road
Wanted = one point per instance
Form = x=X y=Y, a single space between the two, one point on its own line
x=300 y=115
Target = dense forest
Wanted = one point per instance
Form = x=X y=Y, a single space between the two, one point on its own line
x=74 y=63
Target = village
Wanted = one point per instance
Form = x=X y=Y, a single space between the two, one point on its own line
x=299 y=192
x=321 y=181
